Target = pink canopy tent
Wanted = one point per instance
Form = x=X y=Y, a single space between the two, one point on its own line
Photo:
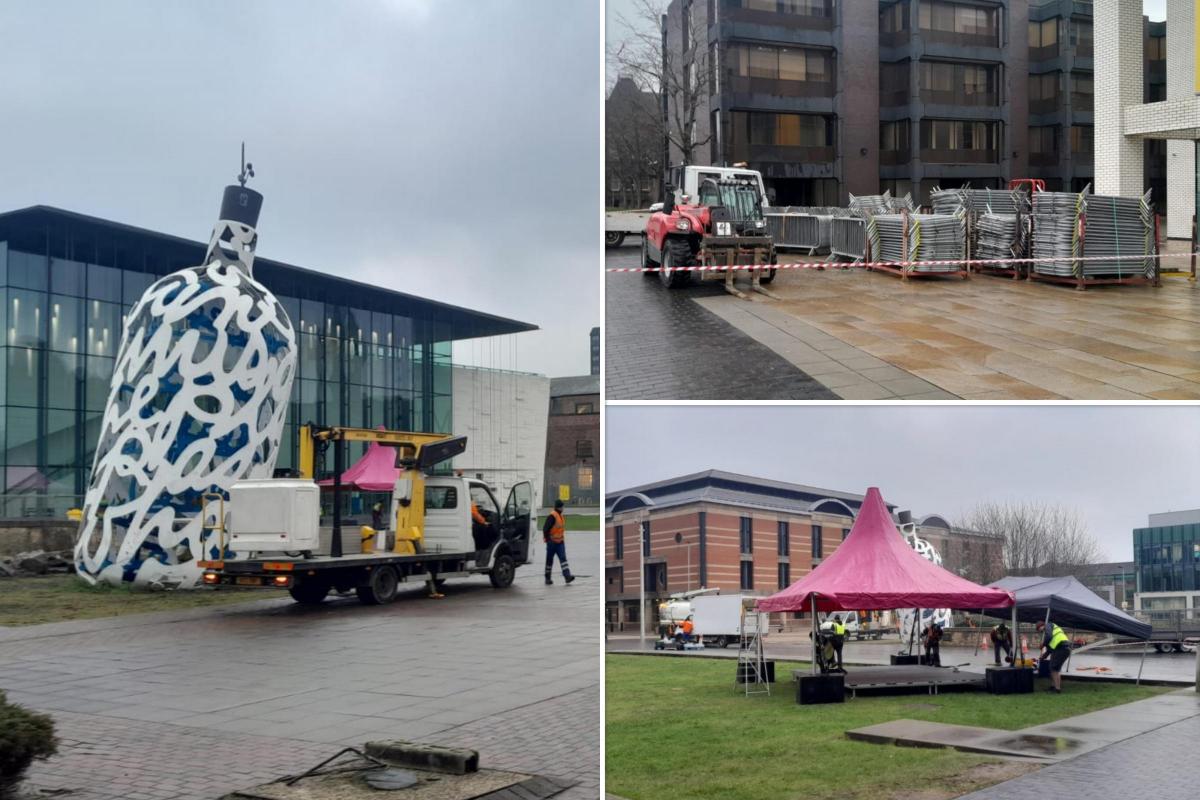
x=376 y=471
x=875 y=569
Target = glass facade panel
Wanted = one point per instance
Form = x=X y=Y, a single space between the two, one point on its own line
x=104 y=283
x=67 y=277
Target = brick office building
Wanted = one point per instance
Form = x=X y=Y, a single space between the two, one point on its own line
x=969 y=91
x=741 y=534
x=573 y=441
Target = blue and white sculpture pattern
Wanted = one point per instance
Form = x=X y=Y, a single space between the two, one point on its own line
x=938 y=616
x=197 y=402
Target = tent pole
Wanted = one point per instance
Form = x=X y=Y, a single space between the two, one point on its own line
x=1016 y=635
x=977 y=641
x=814 y=632
x=1142 y=663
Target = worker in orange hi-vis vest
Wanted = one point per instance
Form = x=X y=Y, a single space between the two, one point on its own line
x=553 y=534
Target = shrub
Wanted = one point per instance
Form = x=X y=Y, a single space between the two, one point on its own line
x=24 y=736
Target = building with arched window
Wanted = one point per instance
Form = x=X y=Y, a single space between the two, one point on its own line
x=741 y=534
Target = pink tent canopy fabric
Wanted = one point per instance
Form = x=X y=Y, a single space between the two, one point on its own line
x=875 y=569
x=376 y=471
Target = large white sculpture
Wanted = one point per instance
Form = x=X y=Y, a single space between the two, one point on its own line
x=938 y=616
x=197 y=402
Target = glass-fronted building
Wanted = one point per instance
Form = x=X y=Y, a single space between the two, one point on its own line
x=1167 y=553
x=368 y=356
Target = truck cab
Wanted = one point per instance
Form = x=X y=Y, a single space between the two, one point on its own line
x=449 y=526
x=688 y=180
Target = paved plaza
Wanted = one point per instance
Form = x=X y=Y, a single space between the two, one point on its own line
x=663 y=345
x=197 y=704
x=869 y=336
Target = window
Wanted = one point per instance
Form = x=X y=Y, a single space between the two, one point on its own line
x=893 y=136
x=1081 y=139
x=959 y=140
x=785 y=575
x=747 y=569
x=746 y=534
x=817 y=548
x=780 y=63
x=845 y=533
x=784 y=545
x=441 y=497
x=789 y=130
x=1081 y=37
x=1043 y=140
x=958 y=84
x=646 y=538
x=585 y=408
x=893 y=83
x=586 y=478
x=483 y=500
x=1043 y=34
x=583 y=448
x=894 y=18
x=961 y=20
x=618 y=542
x=1156 y=48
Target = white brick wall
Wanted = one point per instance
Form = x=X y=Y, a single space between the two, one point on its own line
x=1117 y=32
x=504 y=417
x=1181 y=156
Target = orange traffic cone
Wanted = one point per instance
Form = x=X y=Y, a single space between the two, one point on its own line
x=983 y=643
x=1024 y=644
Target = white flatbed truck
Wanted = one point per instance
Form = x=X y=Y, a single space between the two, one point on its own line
x=274 y=536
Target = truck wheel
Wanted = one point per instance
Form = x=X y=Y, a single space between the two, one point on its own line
x=1162 y=648
x=770 y=276
x=721 y=642
x=502 y=572
x=380 y=589
x=309 y=592
x=676 y=253
x=646 y=262
x=613 y=238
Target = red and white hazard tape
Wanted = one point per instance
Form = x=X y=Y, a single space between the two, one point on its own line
x=893 y=264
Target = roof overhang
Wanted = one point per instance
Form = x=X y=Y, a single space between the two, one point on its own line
x=461 y=323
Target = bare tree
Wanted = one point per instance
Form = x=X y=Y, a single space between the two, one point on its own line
x=1039 y=539
x=674 y=74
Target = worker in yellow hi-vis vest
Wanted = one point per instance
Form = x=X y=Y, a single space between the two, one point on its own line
x=1057 y=648
x=554 y=535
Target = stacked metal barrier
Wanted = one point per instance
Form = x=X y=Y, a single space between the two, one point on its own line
x=1056 y=232
x=997 y=236
x=930 y=237
x=868 y=205
x=1118 y=226
x=937 y=237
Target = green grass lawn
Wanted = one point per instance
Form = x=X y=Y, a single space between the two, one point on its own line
x=582 y=522
x=677 y=728
x=57 y=598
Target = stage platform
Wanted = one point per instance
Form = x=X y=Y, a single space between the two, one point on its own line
x=906 y=678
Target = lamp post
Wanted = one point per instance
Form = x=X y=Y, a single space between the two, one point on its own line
x=642 y=585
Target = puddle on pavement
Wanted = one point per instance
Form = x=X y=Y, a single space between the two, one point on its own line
x=1035 y=745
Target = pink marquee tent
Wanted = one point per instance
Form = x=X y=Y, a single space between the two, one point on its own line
x=376 y=471
x=875 y=569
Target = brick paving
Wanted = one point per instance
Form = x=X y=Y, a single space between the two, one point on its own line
x=663 y=345
x=197 y=704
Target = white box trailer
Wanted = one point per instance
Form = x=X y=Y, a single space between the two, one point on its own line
x=718 y=618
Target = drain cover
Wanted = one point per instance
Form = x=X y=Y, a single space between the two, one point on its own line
x=390 y=779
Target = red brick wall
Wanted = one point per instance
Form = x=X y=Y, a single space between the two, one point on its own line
x=723 y=548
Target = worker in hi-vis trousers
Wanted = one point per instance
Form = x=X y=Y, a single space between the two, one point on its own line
x=553 y=534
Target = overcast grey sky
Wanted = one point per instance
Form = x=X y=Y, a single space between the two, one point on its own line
x=1114 y=464
x=446 y=149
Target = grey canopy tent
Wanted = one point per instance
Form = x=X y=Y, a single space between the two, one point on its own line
x=1068 y=603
